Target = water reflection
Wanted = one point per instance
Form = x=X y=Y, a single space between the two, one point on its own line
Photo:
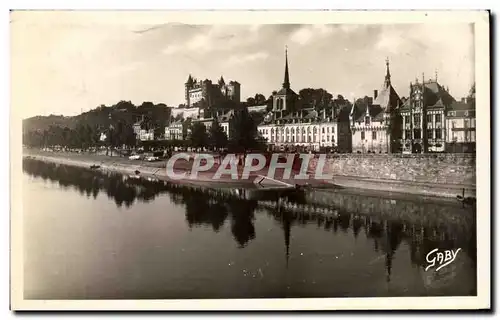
x=214 y=208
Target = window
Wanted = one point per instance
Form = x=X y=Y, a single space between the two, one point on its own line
x=429 y=134
x=293 y=138
x=374 y=135
x=416 y=119
x=367 y=120
x=315 y=130
x=323 y=130
x=438 y=118
x=416 y=134
x=438 y=134
x=466 y=123
x=407 y=119
x=429 y=118
x=362 y=135
x=466 y=113
x=328 y=130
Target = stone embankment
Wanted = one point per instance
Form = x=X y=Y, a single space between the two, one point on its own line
x=443 y=175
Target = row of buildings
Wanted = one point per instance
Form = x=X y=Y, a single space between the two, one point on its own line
x=429 y=119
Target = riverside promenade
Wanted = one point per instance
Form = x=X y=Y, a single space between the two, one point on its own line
x=158 y=170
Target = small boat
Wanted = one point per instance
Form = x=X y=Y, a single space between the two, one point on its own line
x=94 y=166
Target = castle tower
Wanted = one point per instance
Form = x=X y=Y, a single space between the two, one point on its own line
x=188 y=86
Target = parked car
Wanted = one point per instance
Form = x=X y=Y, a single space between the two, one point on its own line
x=135 y=157
x=152 y=158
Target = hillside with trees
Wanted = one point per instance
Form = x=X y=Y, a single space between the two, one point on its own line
x=85 y=129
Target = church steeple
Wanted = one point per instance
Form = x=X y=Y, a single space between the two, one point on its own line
x=286 y=82
x=387 y=74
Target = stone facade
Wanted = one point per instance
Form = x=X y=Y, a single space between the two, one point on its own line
x=375 y=123
x=455 y=169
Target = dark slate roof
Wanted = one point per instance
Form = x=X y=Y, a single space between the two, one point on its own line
x=286 y=91
x=375 y=111
x=303 y=114
x=435 y=95
x=459 y=105
x=387 y=99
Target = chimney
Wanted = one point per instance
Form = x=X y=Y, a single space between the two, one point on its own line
x=375 y=94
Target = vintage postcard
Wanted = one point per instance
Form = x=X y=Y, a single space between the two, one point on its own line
x=250 y=160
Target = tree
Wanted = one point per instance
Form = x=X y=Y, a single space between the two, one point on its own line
x=243 y=132
x=198 y=137
x=250 y=101
x=318 y=98
x=217 y=136
x=259 y=99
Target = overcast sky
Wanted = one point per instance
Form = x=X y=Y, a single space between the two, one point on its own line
x=63 y=66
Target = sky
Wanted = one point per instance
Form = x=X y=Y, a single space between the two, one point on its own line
x=66 y=63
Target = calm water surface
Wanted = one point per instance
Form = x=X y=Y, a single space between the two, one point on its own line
x=90 y=235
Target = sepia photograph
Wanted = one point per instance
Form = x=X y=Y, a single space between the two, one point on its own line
x=246 y=160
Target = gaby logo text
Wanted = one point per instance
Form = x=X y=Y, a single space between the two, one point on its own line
x=440 y=258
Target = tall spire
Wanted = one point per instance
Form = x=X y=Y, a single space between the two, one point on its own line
x=286 y=83
x=387 y=74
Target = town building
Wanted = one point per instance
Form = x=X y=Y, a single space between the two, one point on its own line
x=174 y=131
x=424 y=117
x=185 y=113
x=142 y=133
x=289 y=125
x=460 y=125
x=205 y=94
x=225 y=120
x=375 y=122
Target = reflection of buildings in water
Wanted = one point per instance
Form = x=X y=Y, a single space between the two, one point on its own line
x=213 y=207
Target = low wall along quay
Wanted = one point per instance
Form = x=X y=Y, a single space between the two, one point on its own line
x=440 y=174
x=445 y=175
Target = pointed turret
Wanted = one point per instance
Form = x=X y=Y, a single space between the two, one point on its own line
x=221 y=81
x=387 y=74
x=189 y=80
x=286 y=82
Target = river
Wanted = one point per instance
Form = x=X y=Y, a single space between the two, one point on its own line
x=94 y=235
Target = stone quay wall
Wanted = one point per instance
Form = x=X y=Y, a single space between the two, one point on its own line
x=451 y=169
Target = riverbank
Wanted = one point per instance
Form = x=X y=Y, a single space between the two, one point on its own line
x=158 y=171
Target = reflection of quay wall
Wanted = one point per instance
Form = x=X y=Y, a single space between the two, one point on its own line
x=414 y=211
x=433 y=168
x=327 y=203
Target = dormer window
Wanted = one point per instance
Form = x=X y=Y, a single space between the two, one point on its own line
x=367 y=120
